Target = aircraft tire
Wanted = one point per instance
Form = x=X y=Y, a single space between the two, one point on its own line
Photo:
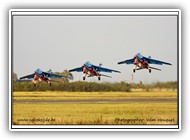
x=149 y=70
x=99 y=78
x=134 y=70
x=83 y=78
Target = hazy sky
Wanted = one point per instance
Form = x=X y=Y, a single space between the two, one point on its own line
x=66 y=42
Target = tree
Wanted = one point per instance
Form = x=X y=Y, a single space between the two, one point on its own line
x=67 y=76
x=15 y=77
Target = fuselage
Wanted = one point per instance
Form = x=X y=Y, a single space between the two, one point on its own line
x=90 y=71
x=140 y=63
x=40 y=76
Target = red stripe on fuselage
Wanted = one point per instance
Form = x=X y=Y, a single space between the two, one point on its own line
x=90 y=71
x=140 y=63
x=43 y=78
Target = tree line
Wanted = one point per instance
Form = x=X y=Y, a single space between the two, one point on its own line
x=170 y=85
x=72 y=86
x=82 y=86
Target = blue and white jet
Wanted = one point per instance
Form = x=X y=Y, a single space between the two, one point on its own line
x=142 y=62
x=39 y=76
x=92 y=70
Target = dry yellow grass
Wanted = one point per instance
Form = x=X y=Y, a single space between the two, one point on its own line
x=90 y=95
x=95 y=113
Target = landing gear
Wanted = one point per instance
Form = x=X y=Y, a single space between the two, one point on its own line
x=99 y=78
x=134 y=70
x=83 y=77
x=149 y=70
x=34 y=82
x=50 y=84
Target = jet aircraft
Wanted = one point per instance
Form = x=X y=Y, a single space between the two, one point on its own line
x=93 y=70
x=142 y=62
x=40 y=75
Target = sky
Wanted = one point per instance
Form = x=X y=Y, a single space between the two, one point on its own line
x=67 y=42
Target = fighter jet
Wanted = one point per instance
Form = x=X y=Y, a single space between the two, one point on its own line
x=93 y=70
x=39 y=76
x=142 y=62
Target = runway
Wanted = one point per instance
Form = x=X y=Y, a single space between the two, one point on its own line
x=100 y=101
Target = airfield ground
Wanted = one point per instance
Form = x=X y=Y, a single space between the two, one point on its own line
x=95 y=107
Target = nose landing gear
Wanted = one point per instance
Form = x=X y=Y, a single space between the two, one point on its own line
x=99 y=78
x=50 y=84
x=34 y=82
x=84 y=77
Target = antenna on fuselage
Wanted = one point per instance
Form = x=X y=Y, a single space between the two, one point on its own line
x=50 y=70
x=100 y=64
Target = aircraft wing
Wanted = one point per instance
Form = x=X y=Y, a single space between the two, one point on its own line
x=28 y=76
x=79 y=69
x=128 y=61
x=153 y=61
x=52 y=75
x=24 y=80
x=101 y=69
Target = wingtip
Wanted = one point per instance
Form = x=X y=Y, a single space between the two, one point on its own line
x=122 y=62
x=118 y=71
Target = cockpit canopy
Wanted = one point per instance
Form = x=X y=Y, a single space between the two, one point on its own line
x=88 y=64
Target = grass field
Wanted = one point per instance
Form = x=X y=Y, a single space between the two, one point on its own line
x=91 y=95
x=94 y=113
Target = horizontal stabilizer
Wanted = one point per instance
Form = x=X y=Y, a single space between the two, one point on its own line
x=155 y=68
x=106 y=75
x=24 y=80
x=55 y=81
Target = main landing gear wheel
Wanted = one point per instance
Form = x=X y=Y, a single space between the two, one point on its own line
x=50 y=84
x=99 y=78
x=83 y=78
x=149 y=70
x=134 y=70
